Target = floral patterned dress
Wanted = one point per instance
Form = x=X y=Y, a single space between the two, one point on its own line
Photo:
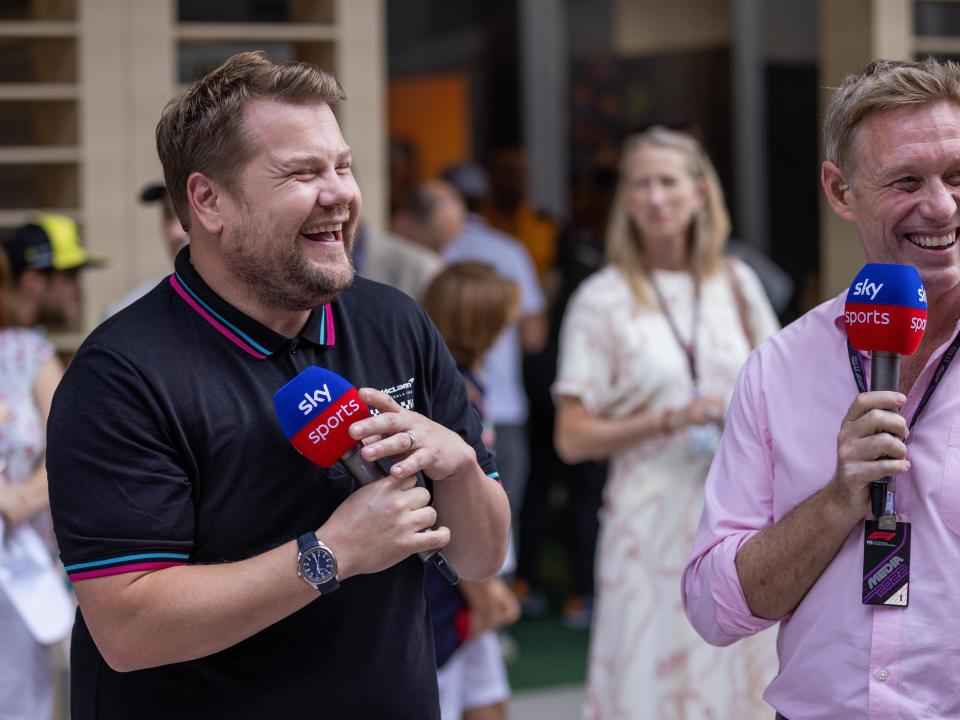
x=619 y=357
x=26 y=675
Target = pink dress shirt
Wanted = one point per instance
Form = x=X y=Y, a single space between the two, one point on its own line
x=839 y=659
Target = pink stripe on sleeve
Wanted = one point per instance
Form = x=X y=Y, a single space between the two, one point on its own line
x=121 y=569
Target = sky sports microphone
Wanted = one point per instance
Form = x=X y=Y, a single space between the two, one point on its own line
x=316 y=410
x=885 y=315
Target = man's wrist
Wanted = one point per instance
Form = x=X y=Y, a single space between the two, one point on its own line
x=340 y=547
x=840 y=506
x=466 y=467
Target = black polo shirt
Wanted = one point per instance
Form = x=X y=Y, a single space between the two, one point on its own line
x=164 y=449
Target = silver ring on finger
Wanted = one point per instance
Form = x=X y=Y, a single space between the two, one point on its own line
x=413 y=440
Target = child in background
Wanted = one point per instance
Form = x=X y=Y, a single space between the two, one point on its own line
x=470 y=303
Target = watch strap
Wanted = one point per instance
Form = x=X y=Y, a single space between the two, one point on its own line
x=308 y=541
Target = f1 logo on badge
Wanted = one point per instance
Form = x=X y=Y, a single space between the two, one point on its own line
x=881 y=535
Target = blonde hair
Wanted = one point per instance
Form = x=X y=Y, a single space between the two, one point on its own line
x=203 y=130
x=882 y=85
x=708 y=232
x=471 y=304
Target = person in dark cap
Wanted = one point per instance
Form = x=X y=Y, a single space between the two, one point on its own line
x=174 y=237
x=45 y=257
x=36 y=611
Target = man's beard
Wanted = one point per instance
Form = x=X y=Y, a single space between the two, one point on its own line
x=281 y=278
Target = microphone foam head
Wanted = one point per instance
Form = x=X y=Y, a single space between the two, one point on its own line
x=316 y=410
x=886 y=309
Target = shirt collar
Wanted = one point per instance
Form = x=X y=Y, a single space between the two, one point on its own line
x=837 y=311
x=236 y=327
x=837 y=307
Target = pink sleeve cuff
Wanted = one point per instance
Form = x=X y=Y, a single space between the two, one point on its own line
x=712 y=597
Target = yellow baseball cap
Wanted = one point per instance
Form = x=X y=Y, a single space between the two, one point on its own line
x=48 y=241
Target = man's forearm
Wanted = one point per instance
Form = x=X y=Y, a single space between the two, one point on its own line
x=779 y=565
x=187 y=612
x=476 y=510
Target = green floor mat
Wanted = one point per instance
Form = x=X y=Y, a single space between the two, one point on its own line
x=546 y=654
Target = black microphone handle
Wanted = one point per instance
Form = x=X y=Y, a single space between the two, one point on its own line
x=365 y=472
x=884 y=375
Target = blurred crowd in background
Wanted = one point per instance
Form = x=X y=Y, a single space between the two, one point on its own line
x=600 y=346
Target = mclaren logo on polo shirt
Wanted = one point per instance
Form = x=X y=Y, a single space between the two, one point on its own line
x=402 y=393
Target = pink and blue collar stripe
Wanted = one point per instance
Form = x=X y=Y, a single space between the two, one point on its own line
x=327 y=334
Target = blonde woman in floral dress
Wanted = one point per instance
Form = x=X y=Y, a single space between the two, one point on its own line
x=649 y=351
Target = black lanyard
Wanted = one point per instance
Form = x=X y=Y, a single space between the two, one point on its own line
x=689 y=349
x=856 y=364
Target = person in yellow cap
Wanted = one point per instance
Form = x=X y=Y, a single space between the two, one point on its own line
x=45 y=257
x=36 y=611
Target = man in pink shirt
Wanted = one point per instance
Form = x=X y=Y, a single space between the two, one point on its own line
x=782 y=534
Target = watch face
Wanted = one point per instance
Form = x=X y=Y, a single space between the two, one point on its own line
x=317 y=565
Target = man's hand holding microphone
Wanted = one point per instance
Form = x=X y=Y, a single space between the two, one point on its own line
x=389 y=517
x=870 y=447
x=885 y=315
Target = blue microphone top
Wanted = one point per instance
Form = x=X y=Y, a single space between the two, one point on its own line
x=888 y=284
x=306 y=397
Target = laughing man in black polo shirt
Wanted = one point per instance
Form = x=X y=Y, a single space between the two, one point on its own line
x=177 y=499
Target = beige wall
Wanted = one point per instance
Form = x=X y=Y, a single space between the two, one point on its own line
x=361 y=67
x=651 y=26
x=852 y=33
x=126 y=61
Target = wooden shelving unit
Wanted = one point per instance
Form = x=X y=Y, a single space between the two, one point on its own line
x=37 y=29
x=82 y=85
x=36 y=91
x=40 y=149
x=309 y=33
x=935 y=29
x=278 y=32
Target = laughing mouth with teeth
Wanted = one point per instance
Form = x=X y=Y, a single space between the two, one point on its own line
x=323 y=233
x=933 y=241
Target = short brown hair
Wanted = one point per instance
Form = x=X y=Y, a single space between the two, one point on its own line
x=708 y=233
x=202 y=130
x=471 y=304
x=883 y=85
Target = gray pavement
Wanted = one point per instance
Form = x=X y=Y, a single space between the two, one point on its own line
x=565 y=703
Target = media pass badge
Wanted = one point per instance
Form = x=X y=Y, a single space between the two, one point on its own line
x=886 y=564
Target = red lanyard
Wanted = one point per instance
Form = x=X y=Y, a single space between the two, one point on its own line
x=689 y=349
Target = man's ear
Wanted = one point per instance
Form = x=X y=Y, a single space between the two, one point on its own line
x=206 y=202
x=837 y=191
